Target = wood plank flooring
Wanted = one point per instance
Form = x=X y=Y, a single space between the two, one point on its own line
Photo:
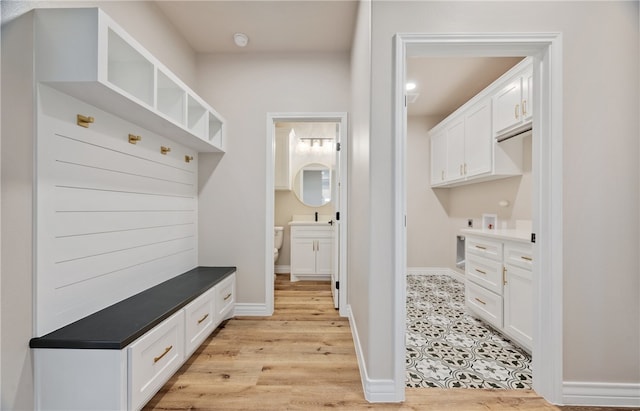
x=301 y=358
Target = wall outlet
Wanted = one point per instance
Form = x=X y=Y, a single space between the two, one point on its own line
x=470 y=223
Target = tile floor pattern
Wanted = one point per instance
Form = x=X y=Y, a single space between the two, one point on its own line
x=448 y=348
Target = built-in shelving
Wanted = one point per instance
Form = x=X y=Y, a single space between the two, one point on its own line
x=84 y=53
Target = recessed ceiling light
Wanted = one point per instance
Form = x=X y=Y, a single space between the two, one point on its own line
x=241 y=39
x=410 y=86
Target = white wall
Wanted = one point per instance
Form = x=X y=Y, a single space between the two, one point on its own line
x=601 y=187
x=17 y=171
x=359 y=221
x=244 y=88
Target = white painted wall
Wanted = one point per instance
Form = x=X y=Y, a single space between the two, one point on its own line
x=17 y=171
x=244 y=88
x=359 y=222
x=601 y=190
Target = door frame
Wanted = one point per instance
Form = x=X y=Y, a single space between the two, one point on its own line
x=272 y=119
x=547 y=143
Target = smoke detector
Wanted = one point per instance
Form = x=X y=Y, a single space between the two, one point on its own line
x=241 y=39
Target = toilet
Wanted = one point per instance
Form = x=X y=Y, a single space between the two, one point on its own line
x=277 y=242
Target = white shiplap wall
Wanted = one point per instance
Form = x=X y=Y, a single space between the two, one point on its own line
x=113 y=218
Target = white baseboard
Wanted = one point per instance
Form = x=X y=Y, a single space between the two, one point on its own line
x=601 y=394
x=436 y=271
x=374 y=390
x=252 y=310
x=282 y=269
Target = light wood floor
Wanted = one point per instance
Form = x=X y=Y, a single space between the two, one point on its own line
x=301 y=358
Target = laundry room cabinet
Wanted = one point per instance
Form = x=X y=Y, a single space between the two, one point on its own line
x=499 y=282
x=311 y=252
x=513 y=103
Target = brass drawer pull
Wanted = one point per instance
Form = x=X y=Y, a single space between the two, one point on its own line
x=526 y=258
x=166 y=350
x=203 y=318
x=480 y=301
x=227 y=297
x=481 y=272
x=481 y=247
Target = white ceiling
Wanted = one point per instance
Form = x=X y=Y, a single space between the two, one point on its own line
x=272 y=26
x=284 y=26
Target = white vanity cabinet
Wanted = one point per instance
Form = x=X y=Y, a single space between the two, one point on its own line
x=311 y=252
x=84 y=53
x=499 y=286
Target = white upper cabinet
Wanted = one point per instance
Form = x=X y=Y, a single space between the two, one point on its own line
x=513 y=105
x=84 y=53
x=464 y=148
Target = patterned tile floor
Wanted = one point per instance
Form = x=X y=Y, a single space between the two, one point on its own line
x=448 y=348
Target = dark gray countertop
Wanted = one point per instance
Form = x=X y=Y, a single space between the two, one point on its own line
x=118 y=325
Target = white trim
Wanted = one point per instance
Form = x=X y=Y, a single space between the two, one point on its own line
x=436 y=271
x=252 y=310
x=282 y=269
x=374 y=390
x=601 y=394
x=272 y=118
x=546 y=49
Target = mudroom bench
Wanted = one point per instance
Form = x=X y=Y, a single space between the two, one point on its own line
x=119 y=357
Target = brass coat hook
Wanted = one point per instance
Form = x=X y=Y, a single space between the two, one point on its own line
x=188 y=159
x=84 y=121
x=164 y=150
x=133 y=139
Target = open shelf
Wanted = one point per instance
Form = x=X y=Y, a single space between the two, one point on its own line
x=171 y=98
x=196 y=117
x=129 y=70
x=215 y=131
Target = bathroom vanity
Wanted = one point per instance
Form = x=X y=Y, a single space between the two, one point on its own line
x=311 y=250
x=499 y=281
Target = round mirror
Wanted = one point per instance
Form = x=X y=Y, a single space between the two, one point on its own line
x=312 y=185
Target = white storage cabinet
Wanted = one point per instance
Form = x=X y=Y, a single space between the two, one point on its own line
x=126 y=379
x=311 y=252
x=513 y=103
x=84 y=53
x=499 y=286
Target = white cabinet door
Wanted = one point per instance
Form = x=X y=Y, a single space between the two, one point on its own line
x=518 y=305
x=324 y=256
x=527 y=95
x=478 y=140
x=303 y=256
x=455 y=150
x=438 y=158
x=506 y=106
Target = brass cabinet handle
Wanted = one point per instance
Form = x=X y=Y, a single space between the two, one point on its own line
x=516 y=111
x=227 y=297
x=442 y=175
x=481 y=272
x=524 y=107
x=465 y=169
x=461 y=169
x=480 y=301
x=524 y=257
x=166 y=350
x=203 y=318
x=504 y=275
x=481 y=247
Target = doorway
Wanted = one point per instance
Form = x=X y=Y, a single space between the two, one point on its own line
x=545 y=49
x=320 y=138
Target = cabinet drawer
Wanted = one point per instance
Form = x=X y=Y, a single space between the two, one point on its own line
x=484 y=272
x=200 y=320
x=225 y=298
x=484 y=248
x=486 y=304
x=520 y=255
x=320 y=231
x=153 y=358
